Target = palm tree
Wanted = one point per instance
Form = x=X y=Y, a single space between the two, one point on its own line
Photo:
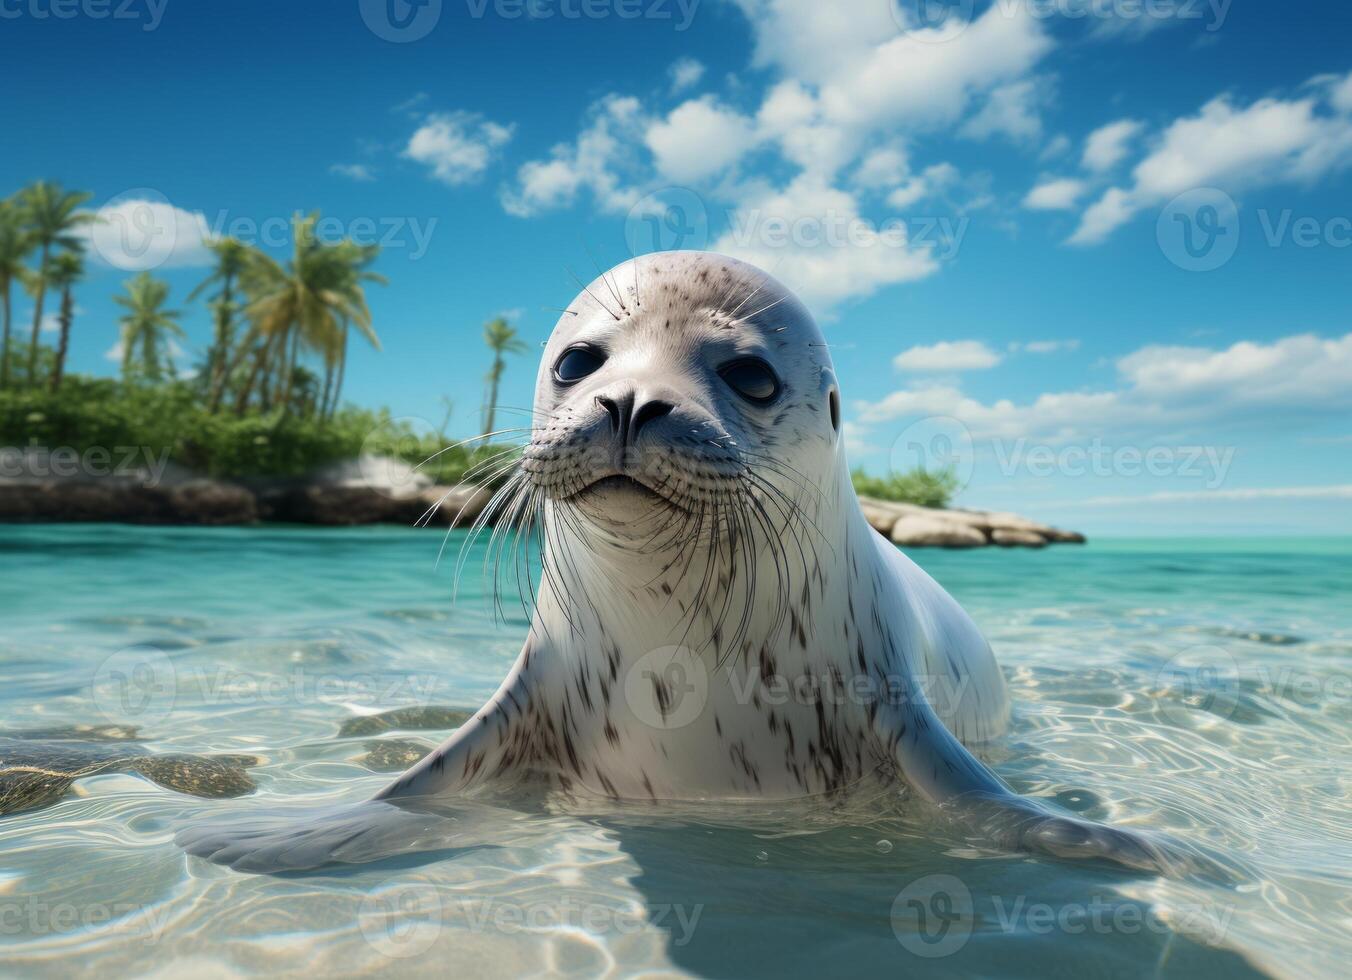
x=232 y=261
x=146 y=325
x=15 y=244
x=310 y=302
x=52 y=215
x=67 y=269
x=501 y=338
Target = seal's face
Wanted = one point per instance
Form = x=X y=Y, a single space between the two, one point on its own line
x=675 y=382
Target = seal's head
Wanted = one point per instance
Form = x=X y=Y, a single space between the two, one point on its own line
x=676 y=382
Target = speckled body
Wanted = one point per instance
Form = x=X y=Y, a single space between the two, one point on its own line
x=814 y=648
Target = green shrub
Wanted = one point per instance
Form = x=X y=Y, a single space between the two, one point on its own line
x=100 y=412
x=919 y=486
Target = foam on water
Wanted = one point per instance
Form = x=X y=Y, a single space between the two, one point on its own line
x=1202 y=688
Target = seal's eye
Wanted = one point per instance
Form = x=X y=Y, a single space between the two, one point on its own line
x=751 y=378
x=576 y=363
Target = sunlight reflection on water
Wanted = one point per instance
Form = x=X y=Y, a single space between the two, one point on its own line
x=273 y=637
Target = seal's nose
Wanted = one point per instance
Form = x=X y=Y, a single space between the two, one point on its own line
x=629 y=414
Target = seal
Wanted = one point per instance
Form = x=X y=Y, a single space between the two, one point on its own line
x=714 y=618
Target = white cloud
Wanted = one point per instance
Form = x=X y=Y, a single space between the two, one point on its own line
x=883 y=167
x=1010 y=110
x=846 y=80
x=1283 y=383
x=1104 y=216
x=908 y=81
x=1107 y=146
x=1055 y=195
x=593 y=162
x=458 y=146
x=353 y=171
x=698 y=139
x=137 y=234
x=1057 y=146
x=810 y=235
x=1340 y=93
x=1232 y=148
x=947 y=355
x=933 y=180
x=685 y=73
x=1046 y=346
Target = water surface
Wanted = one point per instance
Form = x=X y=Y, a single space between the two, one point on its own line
x=1198 y=687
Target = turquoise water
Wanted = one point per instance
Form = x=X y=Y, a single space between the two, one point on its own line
x=1199 y=687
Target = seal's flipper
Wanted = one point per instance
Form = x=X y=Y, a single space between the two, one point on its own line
x=278 y=840
x=942 y=770
x=213 y=778
x=399 y=820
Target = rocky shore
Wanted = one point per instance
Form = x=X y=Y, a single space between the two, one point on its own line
x=912 y=526
x=376 y=490
x=372 y=490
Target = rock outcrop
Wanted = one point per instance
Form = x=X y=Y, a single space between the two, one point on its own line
x=913 y=526
x=372 y=490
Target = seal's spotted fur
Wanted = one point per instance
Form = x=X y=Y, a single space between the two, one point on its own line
x=717 y=553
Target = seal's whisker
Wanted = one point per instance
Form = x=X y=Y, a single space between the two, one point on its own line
x=466 y=442
x=615 y=316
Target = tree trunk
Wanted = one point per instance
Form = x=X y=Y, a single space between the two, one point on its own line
x=4 y=356
x=224 y=332
x=492 y=394
x=38 y=301
x=67 y=315
x=338 y=383
x=260 y=359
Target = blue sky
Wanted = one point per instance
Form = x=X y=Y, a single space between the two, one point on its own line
x=1099 y=248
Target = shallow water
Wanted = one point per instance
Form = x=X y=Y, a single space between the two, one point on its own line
x=1198 y=687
